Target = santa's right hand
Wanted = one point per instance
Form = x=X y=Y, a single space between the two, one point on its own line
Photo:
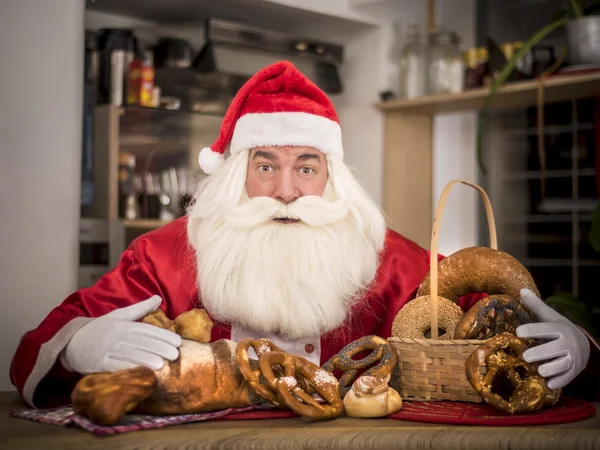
x=116 y=341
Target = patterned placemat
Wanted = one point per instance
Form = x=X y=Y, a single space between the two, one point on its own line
x=450 y=413
x=459 y=413
x=65 y=417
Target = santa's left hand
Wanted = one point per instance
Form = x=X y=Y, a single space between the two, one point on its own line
x=567 y=350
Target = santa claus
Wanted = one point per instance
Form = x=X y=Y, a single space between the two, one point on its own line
x=281 y=242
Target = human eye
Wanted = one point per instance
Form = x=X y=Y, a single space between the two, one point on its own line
x=307 y=170
x=264 y=168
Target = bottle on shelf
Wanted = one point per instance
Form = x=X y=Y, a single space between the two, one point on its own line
x=445 y=65
x=127 y=195
x=412 y=66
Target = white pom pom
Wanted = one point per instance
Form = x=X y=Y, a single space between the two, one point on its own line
x=210 y=161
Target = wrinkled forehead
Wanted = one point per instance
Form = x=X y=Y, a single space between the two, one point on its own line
x=290 y=154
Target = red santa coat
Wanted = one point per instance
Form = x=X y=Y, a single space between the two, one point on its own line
x=162 y=263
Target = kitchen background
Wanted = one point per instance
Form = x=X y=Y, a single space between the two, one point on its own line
x=106 y=104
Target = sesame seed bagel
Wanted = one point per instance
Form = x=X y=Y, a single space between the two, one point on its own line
x=480 y=269
x=414 y=319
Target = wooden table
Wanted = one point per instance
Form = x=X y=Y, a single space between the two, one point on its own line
x=297 y=433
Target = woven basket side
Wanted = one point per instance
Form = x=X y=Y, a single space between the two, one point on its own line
x=430 y=370
x=436 y=342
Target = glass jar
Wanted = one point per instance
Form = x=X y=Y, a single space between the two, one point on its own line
x=412 y=66
x=445 y=65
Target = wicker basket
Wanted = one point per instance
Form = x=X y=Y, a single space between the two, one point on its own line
x=432 y=369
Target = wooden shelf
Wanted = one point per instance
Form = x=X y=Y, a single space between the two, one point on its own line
x=545 y=262
x=557 y=88
x=536 y=174
x=545 y=218
x=143 y=144
x=141 y=126
x=144 y=224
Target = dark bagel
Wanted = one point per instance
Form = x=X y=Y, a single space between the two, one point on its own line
x=491 y=316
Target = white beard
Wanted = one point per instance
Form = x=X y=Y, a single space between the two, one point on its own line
x=295 y=280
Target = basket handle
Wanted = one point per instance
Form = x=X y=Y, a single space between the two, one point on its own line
x=433 y=262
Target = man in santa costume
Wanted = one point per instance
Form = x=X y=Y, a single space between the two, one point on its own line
x=280 y=242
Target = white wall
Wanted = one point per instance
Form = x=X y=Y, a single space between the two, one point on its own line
x=371 y=69
x=40 y=146
x=454 y=147
x=362 y=124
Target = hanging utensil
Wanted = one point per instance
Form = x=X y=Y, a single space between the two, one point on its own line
x=206 y=62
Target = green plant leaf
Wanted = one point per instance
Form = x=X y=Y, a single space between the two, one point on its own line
x=566 y=301
x=577 y=8
x=594 y=234
x=562 y=14
x=505 y=73
x=573 y=309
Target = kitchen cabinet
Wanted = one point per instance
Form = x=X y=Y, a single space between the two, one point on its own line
x=164 y=145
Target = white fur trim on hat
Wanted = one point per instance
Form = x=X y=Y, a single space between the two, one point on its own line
x=210 y=161
x=287 y=128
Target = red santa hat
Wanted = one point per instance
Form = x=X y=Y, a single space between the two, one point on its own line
x=278 y=106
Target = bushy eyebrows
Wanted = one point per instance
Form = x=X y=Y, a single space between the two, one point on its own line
x=308 y=156
x=264 y=154
x=273 y=157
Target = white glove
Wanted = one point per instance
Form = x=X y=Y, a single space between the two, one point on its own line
x=568 y=348
x=115 y=342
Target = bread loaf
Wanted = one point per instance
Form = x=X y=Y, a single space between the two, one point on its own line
x=204 y=378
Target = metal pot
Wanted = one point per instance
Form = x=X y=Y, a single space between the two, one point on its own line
x=172 y=53
x=583 y=40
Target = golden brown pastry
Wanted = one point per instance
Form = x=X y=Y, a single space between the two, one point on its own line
x=252 y=373
x=289 y=381
x=414 y=319
x=194 y=324
x=371 y=397
x=160 y=320
x=291 y=370
x=480 y=270
x=508 y=383
x=105 y=397
x=491 y=316
x=204 y=378
x=379 y=363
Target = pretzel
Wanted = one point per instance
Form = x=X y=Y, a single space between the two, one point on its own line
x=524 y=389
x=253 y=375
x=290 y=391
x=491 y=316
x=383 y=354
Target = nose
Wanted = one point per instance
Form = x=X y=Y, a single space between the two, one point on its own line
x=285 y=190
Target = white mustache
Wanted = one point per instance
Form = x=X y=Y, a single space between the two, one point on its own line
x=312 y=210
